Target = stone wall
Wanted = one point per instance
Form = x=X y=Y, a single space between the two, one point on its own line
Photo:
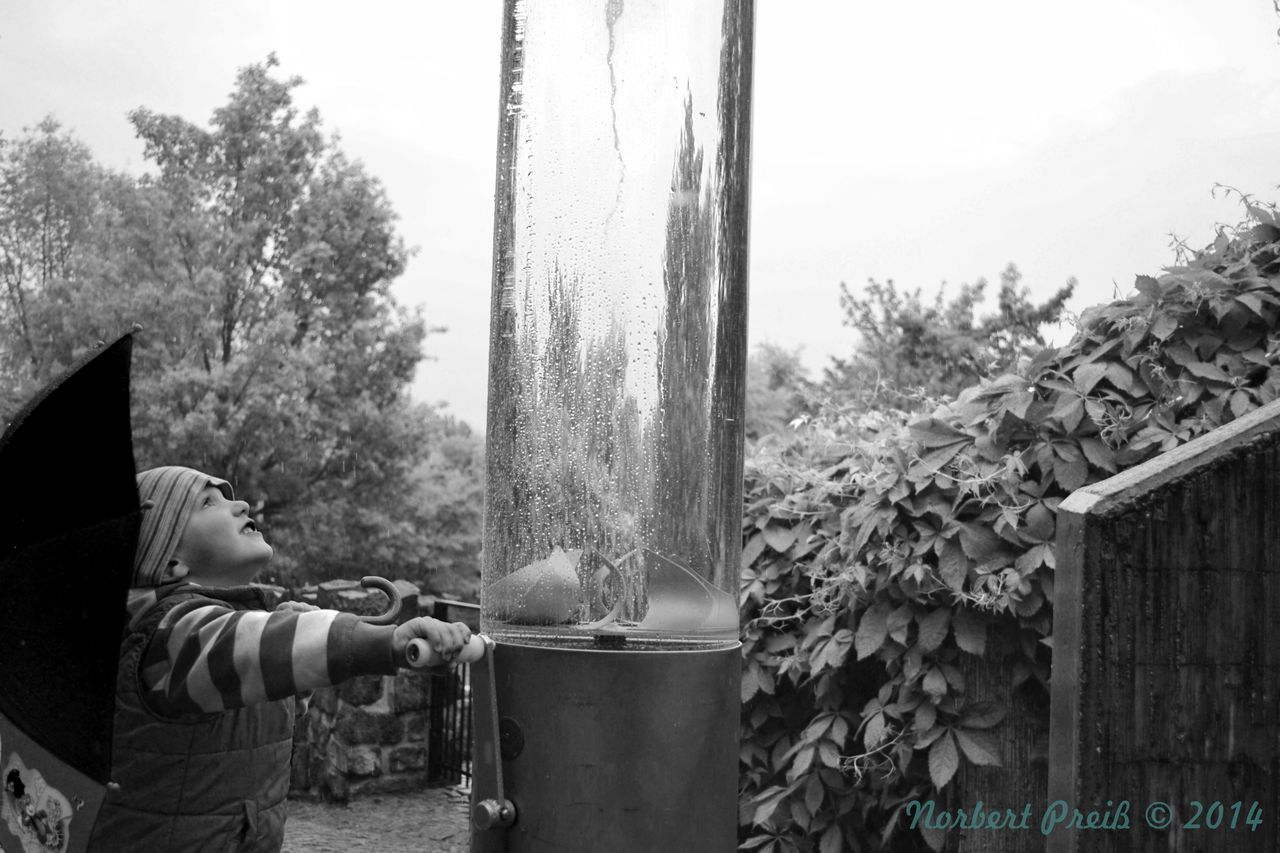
x=367 y=735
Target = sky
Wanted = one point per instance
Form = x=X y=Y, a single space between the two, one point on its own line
x=927 y=142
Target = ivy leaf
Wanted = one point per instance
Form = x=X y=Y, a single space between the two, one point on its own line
x=779 y=643
x=1018 y=403
x=832 y=840
x=933 y=461
x=931 y=432
x=1165 y=325
x=935 y=683
x=930 y=736
x=933 y=629
x=898 y=622
x=1089 y=375
x=1253 y=302
x=1067 y=450
x=835 y=651
x=1058 y=385
x=1040 y=524
x=1265 y=216
x=1209 y=372
x=1148 y=287
x=983 y=715
x=979 y=747
x=978 y=541
x=874 y=733
x=911 y=662
x=1265 y=231
x=1071 y=475
x=1041 y=360
x=1034 y=558
x=1241 y=404
x=814 y=792
x=1180 y=353
x=1009 y=427
x=750 y=682
x=1221 y=242
x=1221 y=308
x=873 y=628
x=801 y=763
x=868 y=526
x=779 y=537
x=970 y=631
x=765 y=678
x=839 y=729
x=934 y=837
x=1099 y=454
x=953 y=566
x=944 y=760
x=752 y=550
x=926 y=717
x=1133 y=338
x=805 y=543
x=1256 y=356
x=1069 y=410
x=1124 y=379
x=768 y=801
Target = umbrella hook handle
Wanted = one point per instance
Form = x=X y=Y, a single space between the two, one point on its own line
x=419 y=653
x=393 y=610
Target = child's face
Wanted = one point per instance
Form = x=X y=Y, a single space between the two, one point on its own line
x=221 y=544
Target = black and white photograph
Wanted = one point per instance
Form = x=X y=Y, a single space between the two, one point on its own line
x=639 y=426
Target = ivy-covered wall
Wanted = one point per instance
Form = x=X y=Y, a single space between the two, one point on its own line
x=898 y=572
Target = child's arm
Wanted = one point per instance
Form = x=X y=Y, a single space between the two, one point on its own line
x=209 y=657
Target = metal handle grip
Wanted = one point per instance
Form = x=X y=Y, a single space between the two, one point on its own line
x=420 y=654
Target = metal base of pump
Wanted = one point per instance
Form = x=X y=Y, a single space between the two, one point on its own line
x=624 y=751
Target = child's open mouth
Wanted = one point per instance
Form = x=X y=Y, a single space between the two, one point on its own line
x=249 y=529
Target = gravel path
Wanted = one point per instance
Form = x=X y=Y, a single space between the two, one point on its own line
x=433 y=820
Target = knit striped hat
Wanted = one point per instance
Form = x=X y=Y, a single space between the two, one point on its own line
x=171 y=491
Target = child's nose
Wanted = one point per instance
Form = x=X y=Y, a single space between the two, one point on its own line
x=240 y=507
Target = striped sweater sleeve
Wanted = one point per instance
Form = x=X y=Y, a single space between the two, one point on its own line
x=206 y=656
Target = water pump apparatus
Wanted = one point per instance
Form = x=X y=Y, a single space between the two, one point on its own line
x=607 y=704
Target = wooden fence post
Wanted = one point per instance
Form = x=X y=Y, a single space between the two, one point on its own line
x=1166 y=670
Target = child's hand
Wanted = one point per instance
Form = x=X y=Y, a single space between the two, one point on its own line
x=300 y=606
x=445 y=639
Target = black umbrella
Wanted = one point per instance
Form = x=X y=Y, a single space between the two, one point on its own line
x=69 y=521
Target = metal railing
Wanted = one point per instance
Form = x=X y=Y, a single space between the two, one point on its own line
x=449 y=714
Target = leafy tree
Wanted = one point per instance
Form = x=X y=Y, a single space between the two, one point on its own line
x=908 y=349
x=778 y=390
x=292 y=378
x=58 y=207
x=258 y=259
x=448 y=502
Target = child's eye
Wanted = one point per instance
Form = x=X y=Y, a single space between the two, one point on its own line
x=207 y=502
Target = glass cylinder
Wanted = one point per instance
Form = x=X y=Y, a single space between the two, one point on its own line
x=619 y=314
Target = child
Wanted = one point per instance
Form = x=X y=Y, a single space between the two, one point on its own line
x=207 y=675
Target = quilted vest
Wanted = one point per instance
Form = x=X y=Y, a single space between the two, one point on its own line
x=207 y=783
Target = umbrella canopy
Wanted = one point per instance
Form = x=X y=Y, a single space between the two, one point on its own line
x=69 y=520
